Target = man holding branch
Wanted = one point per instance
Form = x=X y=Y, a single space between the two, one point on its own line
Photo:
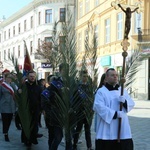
x=106 y=105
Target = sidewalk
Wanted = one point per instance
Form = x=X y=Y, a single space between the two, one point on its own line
x=139 y=119
x=140 y=124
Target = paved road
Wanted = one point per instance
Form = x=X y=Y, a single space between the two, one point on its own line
x=140 y=124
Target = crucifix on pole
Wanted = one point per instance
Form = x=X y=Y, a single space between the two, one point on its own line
x=125 y=44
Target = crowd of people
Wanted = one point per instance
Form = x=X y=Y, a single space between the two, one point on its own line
x=104 y=102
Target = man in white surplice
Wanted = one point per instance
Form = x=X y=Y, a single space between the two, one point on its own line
x=107 y=105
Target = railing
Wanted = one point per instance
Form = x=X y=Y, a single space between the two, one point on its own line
x=145 y=31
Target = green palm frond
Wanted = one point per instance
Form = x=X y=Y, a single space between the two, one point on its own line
x=133 y=65
x=90 y=58
x=22 y=102
x=66 y=51
x=68 y=57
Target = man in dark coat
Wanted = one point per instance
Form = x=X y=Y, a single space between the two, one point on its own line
x=84 y=97
x=49 y=104
x=34 y=99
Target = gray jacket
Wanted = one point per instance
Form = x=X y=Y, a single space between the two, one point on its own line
x=7 y=103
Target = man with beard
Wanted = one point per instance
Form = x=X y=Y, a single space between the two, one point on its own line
x=33 y=100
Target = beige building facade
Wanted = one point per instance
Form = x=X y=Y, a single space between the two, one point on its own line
x=107 y=21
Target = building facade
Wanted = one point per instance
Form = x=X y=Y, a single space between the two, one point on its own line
x=107 y=21
x=33 y=23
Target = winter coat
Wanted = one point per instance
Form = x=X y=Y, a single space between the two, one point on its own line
x=49 y=103
x=34 y=97
x=7 y=102
x=83 y=99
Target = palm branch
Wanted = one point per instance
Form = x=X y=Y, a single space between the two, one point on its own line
x=67 y=116
x=133 y=66
x=89 y=63
x=21 y=100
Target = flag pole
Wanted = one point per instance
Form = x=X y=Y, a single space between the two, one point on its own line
x=27 y=61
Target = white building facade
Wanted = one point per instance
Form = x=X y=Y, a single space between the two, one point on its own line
x=33 y=23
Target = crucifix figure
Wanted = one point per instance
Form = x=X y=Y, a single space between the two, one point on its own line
x=128 y=13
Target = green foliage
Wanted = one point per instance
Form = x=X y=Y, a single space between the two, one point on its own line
x=22 y=102
x=65 y=52
x=133 y=66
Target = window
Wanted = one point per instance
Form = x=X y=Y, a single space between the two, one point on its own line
x=39 y=42
x=62 y=41
x=48 y=39
x=39 y=18
x=107 y=31
x=79 y=42
x=86 y=35
x=24 y=47
x=4 y=35
x=48 y=16
x=9 y=56
x=19 y=29
x=4 y=54
x=13 y=52
x=31 y=22
x=96 y=3
x=80 y=9
x=62 y=14
x=25 y=25
x=0 y=38
x=96 y=34
x=31 y=47
x=138 y=22
x=13 y=30
x=9 y=33
x=120 y=26
x=19 y=51
x=87 y=6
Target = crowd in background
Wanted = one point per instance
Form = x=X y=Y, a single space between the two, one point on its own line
x=43 y=99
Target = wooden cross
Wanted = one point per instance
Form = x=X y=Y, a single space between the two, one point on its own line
x=125 y=44
x=114 y=4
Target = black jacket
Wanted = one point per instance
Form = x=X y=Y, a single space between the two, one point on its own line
x=83 y=101
x=49 y=103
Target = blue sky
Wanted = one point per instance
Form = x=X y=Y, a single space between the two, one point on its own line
x=9 y=7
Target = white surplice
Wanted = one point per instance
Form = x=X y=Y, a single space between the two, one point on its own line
x=106 y=103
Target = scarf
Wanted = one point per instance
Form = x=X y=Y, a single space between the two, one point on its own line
x=8 y=87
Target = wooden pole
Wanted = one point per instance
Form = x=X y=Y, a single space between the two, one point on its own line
x=124 y=54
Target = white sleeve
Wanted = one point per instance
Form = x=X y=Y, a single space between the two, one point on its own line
x=101 y=108
x=130 y=102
